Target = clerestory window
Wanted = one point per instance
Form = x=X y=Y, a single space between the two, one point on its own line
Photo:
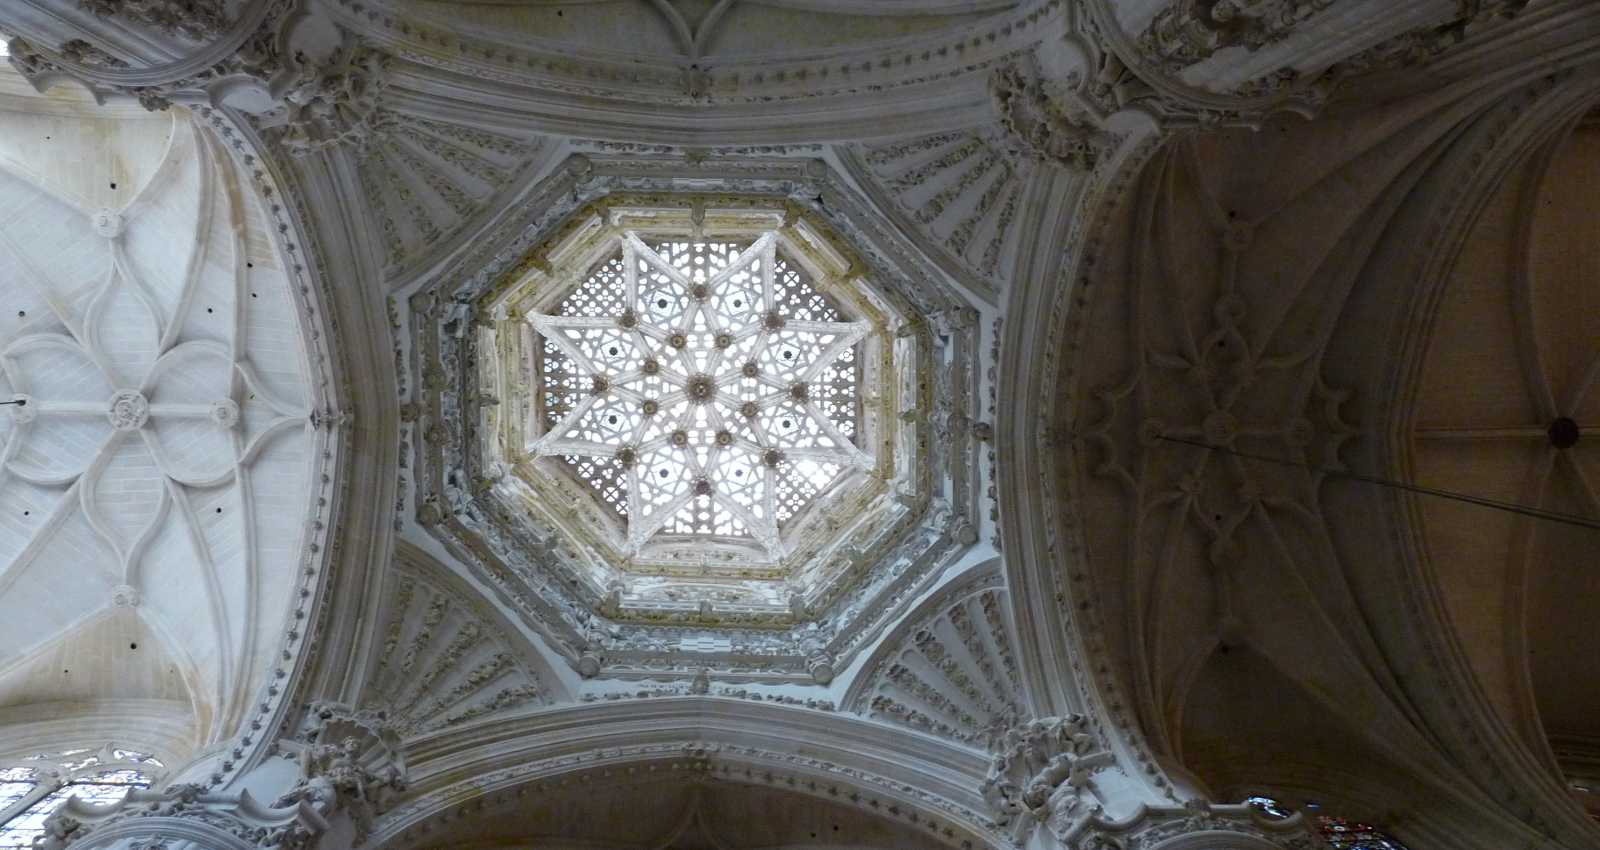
x=32 y=788
x=1339 y=833
x=700 y=387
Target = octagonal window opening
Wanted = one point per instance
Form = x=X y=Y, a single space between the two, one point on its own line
x=702 y=388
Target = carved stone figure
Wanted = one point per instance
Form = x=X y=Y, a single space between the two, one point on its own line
x=333 y=102
x=1042 y=774
x=1048 y=130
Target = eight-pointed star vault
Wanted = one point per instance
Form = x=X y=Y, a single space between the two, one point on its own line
x=709 y=382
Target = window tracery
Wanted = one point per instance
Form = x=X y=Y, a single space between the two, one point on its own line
x=700 y=388
x=32 y=788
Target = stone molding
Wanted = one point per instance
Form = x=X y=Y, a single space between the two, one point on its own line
x=1187 y=34
x=442 y=660
x=228 y=53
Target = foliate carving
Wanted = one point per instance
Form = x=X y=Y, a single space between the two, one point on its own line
x=1042 y=773
x=1050 y=131
x=1419 y=46
x=333 y=102
x=86 y=54
x=427 y=179
x=351 y=766
x=200 y=20
x=1191 y=30
x=961 y=188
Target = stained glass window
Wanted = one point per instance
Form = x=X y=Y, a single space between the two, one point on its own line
x=700 y=388
x=1340 y=834
x=32 y=789
x=1351 y=835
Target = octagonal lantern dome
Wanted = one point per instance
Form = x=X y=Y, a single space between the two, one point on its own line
x=722 y=427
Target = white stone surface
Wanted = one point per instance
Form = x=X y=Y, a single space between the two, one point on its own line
x=155 y=483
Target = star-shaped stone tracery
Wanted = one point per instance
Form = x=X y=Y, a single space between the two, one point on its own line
x=704 y=388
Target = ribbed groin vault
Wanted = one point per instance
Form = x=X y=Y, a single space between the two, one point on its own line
x=746 y=424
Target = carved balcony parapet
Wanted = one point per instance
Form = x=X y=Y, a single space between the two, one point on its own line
x=182 y=813
x=1196 y=823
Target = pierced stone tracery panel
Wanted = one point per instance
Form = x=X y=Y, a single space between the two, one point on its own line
x=700 y=388
x=700 y=384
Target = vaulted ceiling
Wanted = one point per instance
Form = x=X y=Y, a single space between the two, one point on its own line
x=1158 y=276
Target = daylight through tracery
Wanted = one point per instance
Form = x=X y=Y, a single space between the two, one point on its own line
x=701 y=388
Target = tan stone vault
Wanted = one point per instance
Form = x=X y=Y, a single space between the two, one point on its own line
x=645 y=424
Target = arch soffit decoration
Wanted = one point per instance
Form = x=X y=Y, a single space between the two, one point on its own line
x=835 y=757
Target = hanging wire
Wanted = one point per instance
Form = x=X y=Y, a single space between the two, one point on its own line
x=1508 y=507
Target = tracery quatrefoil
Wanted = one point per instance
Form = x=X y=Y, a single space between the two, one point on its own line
x=701 y=388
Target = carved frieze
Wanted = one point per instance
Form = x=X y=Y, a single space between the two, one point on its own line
x=199 y=20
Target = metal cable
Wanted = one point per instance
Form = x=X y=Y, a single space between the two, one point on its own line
x=1509 y=507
